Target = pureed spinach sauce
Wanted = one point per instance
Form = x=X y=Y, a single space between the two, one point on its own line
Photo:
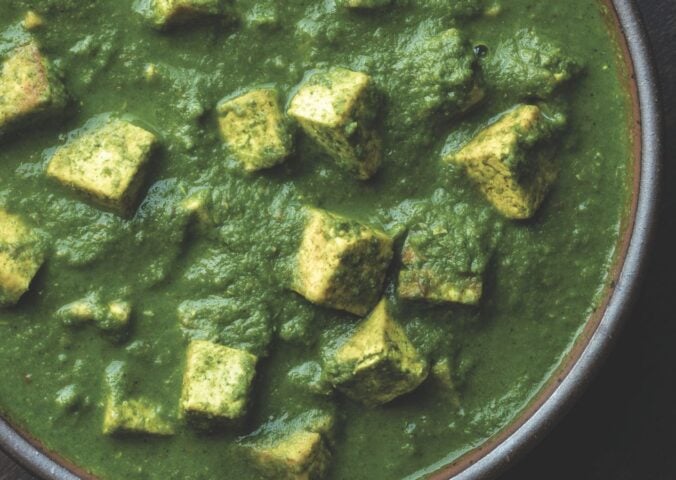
x=233 y=261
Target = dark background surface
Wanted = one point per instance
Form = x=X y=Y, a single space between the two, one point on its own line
x=624 y=426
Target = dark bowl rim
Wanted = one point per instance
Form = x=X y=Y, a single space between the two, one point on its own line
x=488 y=464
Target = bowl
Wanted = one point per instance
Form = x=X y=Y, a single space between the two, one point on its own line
x=591 y=347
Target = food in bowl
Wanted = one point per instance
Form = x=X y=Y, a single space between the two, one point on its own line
x=306 y=239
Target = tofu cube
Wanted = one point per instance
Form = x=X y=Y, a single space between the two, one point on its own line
x=137 y=416
x=378 y=363
x=505 y=160
x=168 y=13
x=29 y=89
x=255 y=130
x=106 y=163
x=300 y=455
x=338 y=109
x=293 y=449
x=419 y=280
x=363 y=3
x=21 y=256
x=341 y=263
x=217 y=382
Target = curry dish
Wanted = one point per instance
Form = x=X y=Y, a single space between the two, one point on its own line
x=312 y=239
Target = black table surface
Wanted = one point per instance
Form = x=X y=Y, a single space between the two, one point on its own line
x=624 y=426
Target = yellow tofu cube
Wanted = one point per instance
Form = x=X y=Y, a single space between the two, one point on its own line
x=300 y=455
x=419 y=280
x=255 y=130
x=421 y=284
x=29 y=89
x=378 y=363
x=21 y=256
x=341 y=263
x=338 y=109
x=217 y=382
x=506 y=163
x=137 y=416
x=168 y=13
x=106 y=163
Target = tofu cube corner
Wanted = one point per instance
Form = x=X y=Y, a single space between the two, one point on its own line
x=378 y=363
x=169 y=13
x=341 y=263
x=338 y=109
x=106 y=163
x=300 y=455
x=137 y=416
x=29 y=88
x=255 y=130
x=419 y=281
x=502 y=161
x=21 y=256
x=217 y=382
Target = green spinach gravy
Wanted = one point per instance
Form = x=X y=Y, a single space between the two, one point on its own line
x=307 y=239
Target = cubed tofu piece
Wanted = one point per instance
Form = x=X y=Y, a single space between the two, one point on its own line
x=507 y=163
x=21 y=256
x=168 y=13
x=296 y=448
x=137 y=416
x=29 y=88
x=300 y=455
x=341 y=263
x=255 y=130
x=417 y=284
x=217 y=382
x=106 y=163
x=419 y=280
x=363 y=3
x=338 y=108
x=378 y=363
